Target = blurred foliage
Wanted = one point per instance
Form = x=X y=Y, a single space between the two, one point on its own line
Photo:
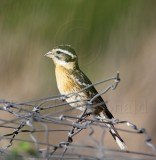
x=94 y=28
x=22 y=148
x=84 y=23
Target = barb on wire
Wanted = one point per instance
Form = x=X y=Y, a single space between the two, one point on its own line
x=41 y=119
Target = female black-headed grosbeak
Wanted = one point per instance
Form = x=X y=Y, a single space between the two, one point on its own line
x=71 y=81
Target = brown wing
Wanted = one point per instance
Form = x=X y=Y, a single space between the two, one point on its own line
x=83 y=81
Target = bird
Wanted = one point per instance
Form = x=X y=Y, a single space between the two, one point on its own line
x=72 y=81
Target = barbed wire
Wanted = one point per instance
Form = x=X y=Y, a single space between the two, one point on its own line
x=50 y=115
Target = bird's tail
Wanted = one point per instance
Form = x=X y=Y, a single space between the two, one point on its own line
x=117 y=137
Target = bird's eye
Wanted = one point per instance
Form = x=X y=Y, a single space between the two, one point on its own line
x=58 y=52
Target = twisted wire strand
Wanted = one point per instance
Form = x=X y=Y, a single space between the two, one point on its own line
x=44 y=112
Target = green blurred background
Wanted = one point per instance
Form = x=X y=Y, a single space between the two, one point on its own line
x=108 y=36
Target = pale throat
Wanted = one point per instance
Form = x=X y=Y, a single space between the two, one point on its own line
x=66 y=65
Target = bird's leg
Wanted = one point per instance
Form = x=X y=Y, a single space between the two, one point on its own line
x=82 y=114
x=70 y=135
x=80 y=119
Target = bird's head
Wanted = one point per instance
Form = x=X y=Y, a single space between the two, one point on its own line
x=63 y=55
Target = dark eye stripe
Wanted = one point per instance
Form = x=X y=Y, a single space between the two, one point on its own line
x=58 y=52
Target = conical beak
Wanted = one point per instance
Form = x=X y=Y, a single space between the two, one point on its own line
x=48 y=54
